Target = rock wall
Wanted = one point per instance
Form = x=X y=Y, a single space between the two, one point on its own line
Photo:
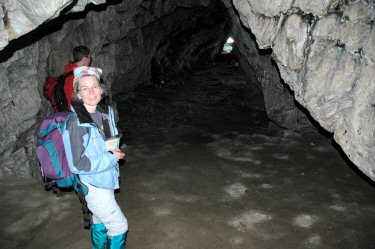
x=260 y=67
x=324 y=52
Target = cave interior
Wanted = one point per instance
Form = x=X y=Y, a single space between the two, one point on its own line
x=203 y=139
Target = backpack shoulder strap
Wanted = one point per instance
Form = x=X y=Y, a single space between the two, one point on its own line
x=80 y=188
x=82 y=191
x=64 y=76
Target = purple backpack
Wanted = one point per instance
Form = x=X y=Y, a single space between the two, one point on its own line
x=51 y=151
x=53 y=162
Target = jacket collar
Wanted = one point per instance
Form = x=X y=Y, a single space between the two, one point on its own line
x=82 y=114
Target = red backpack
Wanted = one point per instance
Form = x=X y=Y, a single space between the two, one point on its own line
x=53 y=90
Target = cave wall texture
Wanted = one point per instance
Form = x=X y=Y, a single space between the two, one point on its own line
x=318 y=53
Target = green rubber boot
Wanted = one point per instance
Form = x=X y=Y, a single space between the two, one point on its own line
x=116 y=242
x=99 y=236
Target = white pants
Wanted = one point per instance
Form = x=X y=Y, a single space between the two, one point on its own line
x=105 y=209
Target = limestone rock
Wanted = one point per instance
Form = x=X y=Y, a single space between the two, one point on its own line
x=317 y=7
x=352 y=35
x=278 y=101
x=81 y=4
x=264 y=28
x=3 y=33
x=270 y=8
x=290 y=42
x=20 y=17
x=16 y=165
x=357 y=130
x=324 y=58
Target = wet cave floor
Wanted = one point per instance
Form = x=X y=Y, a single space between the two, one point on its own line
x=205 y=169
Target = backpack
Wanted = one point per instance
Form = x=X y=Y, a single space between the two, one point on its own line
x=53 y=162
x=53 y=90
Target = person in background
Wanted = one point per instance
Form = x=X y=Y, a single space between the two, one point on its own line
x=81 y=57
x=86 y=143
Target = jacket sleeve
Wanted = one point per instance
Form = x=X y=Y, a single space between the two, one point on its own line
x=76 y=140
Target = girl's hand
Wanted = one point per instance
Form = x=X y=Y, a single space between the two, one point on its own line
x=119 y=154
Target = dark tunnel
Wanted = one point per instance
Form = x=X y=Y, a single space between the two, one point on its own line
x=192 y=87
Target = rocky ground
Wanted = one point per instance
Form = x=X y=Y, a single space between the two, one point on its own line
x=205 y=169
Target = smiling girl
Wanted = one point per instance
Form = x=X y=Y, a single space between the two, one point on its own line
x=96 y=165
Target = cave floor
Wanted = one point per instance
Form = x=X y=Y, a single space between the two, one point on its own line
x=196 y=177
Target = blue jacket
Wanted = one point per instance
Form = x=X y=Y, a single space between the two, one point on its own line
x=85 y=147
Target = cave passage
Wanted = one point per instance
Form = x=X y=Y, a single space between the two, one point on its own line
x=228 y=46
x=211 y=99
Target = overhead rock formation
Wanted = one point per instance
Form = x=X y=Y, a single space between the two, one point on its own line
x=21 y=17
x=324 y=52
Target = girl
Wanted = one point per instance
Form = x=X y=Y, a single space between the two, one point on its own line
x=85 y=139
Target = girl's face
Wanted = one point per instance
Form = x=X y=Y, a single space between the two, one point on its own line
x=89 y=91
